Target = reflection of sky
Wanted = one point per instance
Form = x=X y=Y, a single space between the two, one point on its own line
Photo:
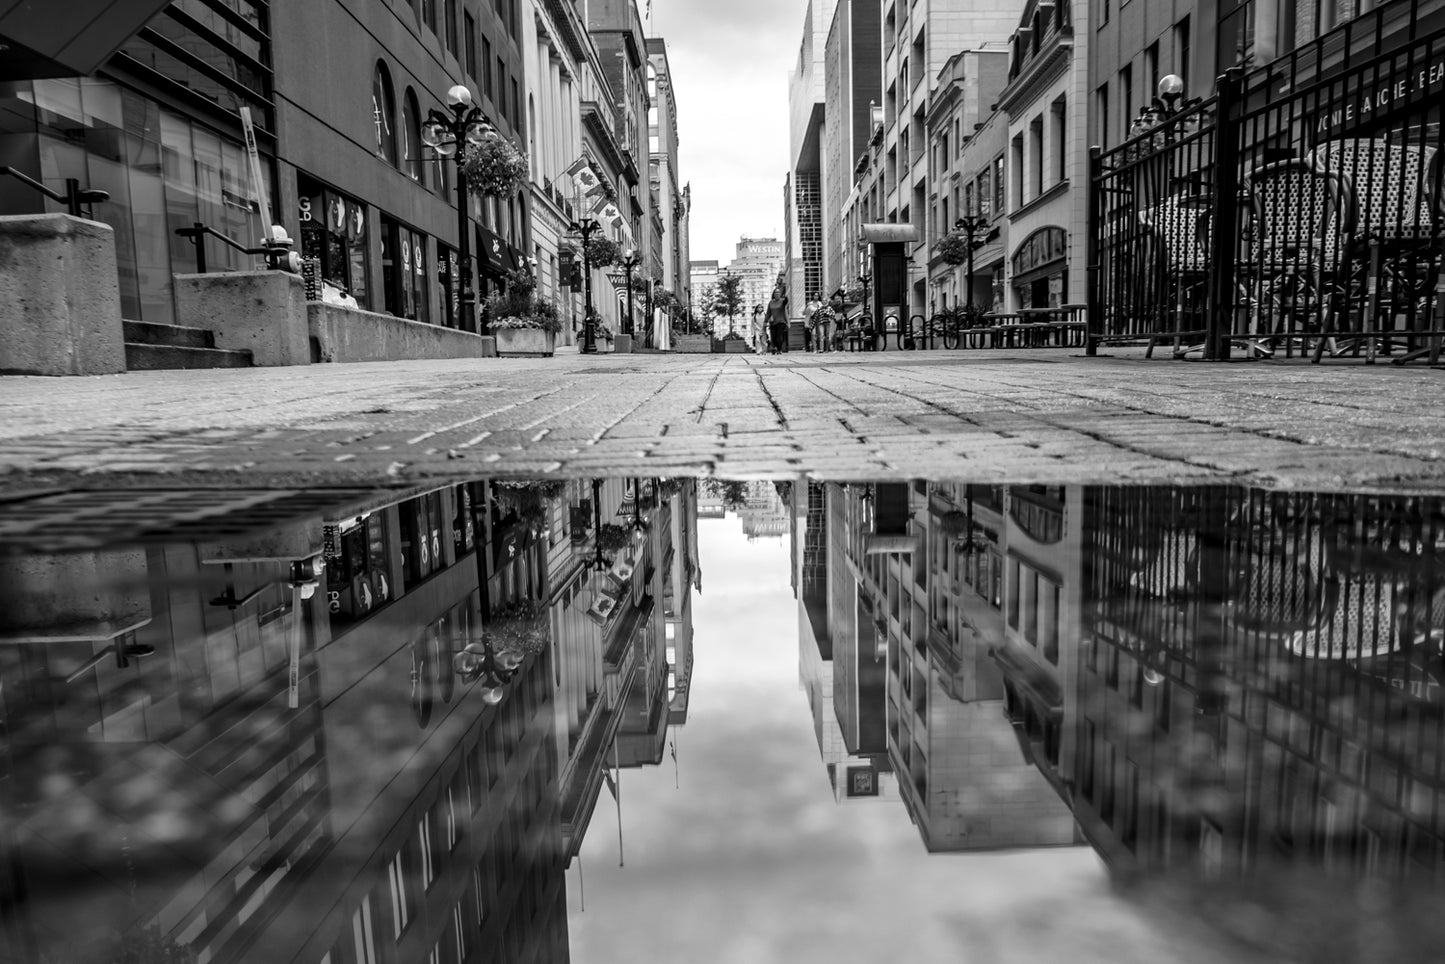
x=751 y=861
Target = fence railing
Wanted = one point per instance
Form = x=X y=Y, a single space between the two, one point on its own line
x=1287 y=214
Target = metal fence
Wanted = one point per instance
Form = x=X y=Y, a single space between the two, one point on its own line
x=1298 y=211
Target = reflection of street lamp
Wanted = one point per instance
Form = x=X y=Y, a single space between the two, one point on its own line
x=599 y=561
x=478 y=661
x=445 y=135
x=638 y=523
x=586 y=227
x=629 y=262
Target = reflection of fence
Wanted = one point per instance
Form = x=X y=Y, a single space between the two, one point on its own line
x=1292 y=643
x=1298 y=210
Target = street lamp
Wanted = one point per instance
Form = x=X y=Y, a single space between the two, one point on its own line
x=446 y=135
x=974 y=228
x=585 y=228
x=629 y=262
x=1167 y=103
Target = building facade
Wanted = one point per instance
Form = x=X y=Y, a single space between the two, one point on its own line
x=852 y=71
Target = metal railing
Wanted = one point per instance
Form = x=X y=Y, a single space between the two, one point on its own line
x=74 y=195
x=1301 y=210
x=276 y=249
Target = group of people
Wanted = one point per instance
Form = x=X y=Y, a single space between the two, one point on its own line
x=822 y=328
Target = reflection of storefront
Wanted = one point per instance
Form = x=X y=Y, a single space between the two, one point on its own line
x=1041 y=269
x=357 y=567
x=421 y=537
x=333 y=231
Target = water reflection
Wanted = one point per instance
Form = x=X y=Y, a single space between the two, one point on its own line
x=374 y=734
x=380 y=730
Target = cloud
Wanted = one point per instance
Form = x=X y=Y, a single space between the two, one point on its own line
x=731 y=62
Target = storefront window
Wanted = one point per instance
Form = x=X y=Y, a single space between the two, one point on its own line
x=411 y=147
x=447 y=278
x=333 y=230
x=421 y=538
x=357 y=574
x=403 y=267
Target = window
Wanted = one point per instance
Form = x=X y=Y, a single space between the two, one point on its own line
x=361 y=933
x=1036 y=155
x=1059 y=117
x=1102 y=134
x=1018 y=170
x=429 y=14
x=516 y=105
x=383 y=113
x=984 y=192
x=448 y=278
x=501 y=98
x=998 y=186
x=487 y=68
x=333 y=232
x=403 y=271
x=1126 y=99
x=469 y=40
x=1183 y=49
x=449 y=29
x=1151 y=69
x=412 y=159
x=401 y=905
x=1104 y=11
x=425 y=845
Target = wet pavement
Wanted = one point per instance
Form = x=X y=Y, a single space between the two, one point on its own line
x=994 y=416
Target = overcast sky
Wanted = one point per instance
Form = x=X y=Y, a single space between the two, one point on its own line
x=731 y=61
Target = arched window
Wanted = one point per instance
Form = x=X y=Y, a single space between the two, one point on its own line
x=383 y=113
x=411 y=148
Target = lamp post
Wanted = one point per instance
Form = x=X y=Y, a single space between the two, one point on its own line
x=973 y=227
x=585 y=228
x=1168 y=102
x=479 y=661
x=446 y=135
x=629 y=262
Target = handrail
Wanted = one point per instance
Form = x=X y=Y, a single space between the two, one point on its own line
x=73 y=197
x=276 y=250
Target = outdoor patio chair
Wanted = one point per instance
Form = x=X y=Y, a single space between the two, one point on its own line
x=1396 y=189
x=1180 y=225
x=1299 y=254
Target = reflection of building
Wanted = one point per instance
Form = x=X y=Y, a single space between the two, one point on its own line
x=764 y=515
x=962 y=772
x=390 y=806
x=860 y=775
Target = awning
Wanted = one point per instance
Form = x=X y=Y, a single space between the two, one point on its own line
x=495 y=256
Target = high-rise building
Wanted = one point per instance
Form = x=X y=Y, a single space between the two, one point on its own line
x=670 y=197
x=760 y=262
x=853 y=65
x=803 y=201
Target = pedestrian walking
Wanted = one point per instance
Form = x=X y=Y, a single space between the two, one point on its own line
x=777 y=319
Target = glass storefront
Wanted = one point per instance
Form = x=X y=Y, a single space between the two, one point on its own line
x=404 y=277
x=162 y=170
x=333 y=231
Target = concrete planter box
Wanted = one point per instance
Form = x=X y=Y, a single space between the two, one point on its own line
x=350 y=335
x=692 y=344
x=59 y=297
x=263 y=312
x=604 y=346
x=735 y=346
x=622 y=344
x=525 y=342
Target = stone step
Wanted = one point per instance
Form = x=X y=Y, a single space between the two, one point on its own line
x=153 y=333
x=140 y=357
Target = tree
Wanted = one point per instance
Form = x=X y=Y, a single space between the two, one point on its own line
x=733 y=493
x=728 y=299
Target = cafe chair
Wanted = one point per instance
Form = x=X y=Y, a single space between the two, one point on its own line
x=1299 y=253
x=1180 y=228
x=1396 y=189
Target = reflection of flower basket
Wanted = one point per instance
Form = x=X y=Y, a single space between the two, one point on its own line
x=494 y=167
x=611 y=538
x=520 y=628
x=953 y=524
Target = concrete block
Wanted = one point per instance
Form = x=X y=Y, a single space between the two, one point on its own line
x=73 y=596
x=350 y=335
x=263 y=312
x=622 y=344
x=59 y=297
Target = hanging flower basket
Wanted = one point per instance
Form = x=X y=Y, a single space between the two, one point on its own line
x=602 y=252
x=494 y=166
x=953 y=248
x=521 y=628
x=611 y=538
x=953 y=524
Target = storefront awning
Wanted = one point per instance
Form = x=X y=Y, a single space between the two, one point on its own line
x=495 y=256
x=889 y=233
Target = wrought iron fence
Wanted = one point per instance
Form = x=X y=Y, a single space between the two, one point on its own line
x=1299 y=210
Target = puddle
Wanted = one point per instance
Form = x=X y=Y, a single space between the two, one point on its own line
x=690 y=720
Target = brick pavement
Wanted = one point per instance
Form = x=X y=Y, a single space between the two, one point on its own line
x=990 y=417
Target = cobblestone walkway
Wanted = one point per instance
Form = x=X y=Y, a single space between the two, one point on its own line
x=1045 y=417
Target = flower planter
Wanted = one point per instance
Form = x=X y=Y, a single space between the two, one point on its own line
x=604 y=346
x=692 y=344
x=525 y=342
